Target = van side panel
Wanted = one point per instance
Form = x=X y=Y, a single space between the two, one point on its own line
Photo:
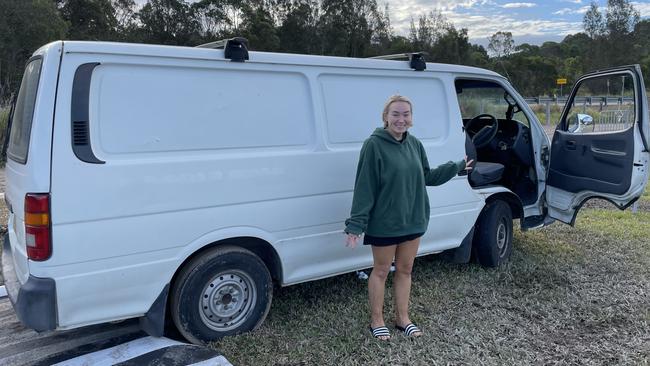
x=201 y=150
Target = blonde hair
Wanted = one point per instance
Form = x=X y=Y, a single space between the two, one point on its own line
x=391 y=100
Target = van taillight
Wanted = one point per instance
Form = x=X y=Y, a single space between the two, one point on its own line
x=37 y=226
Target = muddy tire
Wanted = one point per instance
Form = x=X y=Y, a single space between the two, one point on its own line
x=224 y=291
x=493 y=235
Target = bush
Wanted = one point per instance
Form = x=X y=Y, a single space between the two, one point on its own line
x=4 y=117
x=540 y=111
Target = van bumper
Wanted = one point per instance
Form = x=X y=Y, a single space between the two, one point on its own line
x=34 y=301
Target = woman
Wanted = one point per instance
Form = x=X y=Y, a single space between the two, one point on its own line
x=391 y=206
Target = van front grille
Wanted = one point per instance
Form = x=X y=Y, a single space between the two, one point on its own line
x=80 y=133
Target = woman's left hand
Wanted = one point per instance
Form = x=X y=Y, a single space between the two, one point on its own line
x=351 y=240
x=468 y=163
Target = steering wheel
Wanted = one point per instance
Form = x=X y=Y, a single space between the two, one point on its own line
x=487 y=133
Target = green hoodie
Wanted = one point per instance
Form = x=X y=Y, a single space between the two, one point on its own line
x=390 y=196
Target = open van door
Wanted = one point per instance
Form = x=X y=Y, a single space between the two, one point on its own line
x=600 y=147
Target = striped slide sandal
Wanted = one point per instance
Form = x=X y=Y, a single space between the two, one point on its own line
x=409 y=330
x=380 y=332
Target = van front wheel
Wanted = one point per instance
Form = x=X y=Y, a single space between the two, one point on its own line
x=493 y=237
x=223 y=292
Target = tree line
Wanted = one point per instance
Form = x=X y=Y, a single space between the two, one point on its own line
x=612 y=36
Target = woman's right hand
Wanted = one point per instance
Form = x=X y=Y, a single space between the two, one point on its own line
x=351 y=240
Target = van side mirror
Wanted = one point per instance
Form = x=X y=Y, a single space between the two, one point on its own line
x=582 y=123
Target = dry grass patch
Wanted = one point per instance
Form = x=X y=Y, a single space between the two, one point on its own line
x=568 y=296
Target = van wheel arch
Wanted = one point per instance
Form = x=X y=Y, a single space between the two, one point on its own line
x=516 y=207
x=261 y=248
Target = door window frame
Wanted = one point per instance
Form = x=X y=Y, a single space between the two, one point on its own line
x=564 y=125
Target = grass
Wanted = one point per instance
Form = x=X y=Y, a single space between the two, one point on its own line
x=4 y=116
x=540 y=112
x=567 y=296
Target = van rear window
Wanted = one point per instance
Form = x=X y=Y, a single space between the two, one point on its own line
x=21 y=124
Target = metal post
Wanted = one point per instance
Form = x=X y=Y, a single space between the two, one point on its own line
x=548 y=113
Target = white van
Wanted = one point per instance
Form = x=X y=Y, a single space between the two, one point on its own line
x=174 y=182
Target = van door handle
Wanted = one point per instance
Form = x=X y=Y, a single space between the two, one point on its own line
x=571 y=145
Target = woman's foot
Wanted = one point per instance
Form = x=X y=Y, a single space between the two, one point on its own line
x=380 y=332
x=409 y=329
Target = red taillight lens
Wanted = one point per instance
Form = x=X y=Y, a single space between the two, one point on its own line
x=37 y=226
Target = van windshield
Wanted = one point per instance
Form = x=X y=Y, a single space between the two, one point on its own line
x=21 y=124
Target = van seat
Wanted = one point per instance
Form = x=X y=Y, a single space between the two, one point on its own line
x=483 y=172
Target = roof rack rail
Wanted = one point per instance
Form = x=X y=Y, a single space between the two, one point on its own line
x=235 y=49
x=416 y=59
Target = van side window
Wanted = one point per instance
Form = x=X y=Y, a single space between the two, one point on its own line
x=603 y=103
x=21 y=125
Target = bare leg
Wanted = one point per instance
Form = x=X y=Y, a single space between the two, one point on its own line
x=404 y=257
x=382 y=258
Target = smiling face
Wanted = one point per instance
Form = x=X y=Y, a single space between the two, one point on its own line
x=398 y=118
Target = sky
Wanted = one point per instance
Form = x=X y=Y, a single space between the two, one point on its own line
x=529 y=21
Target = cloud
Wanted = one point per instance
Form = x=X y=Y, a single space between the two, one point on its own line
x=643 y=8
x=442 y=5
x=564 y=11
x=518 y=5
x=480 y=26
x=583 y=10
x=481 y=22
x=574 y=1
x=569 y=11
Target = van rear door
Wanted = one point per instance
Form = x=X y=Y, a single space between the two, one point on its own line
x=600 y=147
x=29 y=154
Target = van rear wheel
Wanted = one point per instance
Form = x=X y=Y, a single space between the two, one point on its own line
x=493 y=235
x=223 y=292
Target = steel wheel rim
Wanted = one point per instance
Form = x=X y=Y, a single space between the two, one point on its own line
x=502 y=237
x=226 y=300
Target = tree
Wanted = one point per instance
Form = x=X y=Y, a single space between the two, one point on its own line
x=531 y=75
x=526 y=49
x=298 y=31
x=259 y=28
x=168 y=22
x=621 y=17
x=382 y=33
x=125 y=18
x=593 y=22
x=89 y=19
x=431 y=27
x=478 y=56
x=501 y=44
x=212 y=18
x=452 y=47
x=24 y=27
x=551 y=50
x=347 y=26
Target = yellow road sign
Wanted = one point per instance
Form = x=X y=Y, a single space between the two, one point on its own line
x=561 y=81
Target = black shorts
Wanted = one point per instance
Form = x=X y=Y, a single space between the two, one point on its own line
x=384 y=241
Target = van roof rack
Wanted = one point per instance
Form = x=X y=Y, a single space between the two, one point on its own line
x=416 y=59
x=235 y=49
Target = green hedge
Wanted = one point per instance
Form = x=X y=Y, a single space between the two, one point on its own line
x=4 y=116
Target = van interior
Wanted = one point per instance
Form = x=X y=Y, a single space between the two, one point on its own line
x=498 y=138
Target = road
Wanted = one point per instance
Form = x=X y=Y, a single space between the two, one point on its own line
x=105 y=344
